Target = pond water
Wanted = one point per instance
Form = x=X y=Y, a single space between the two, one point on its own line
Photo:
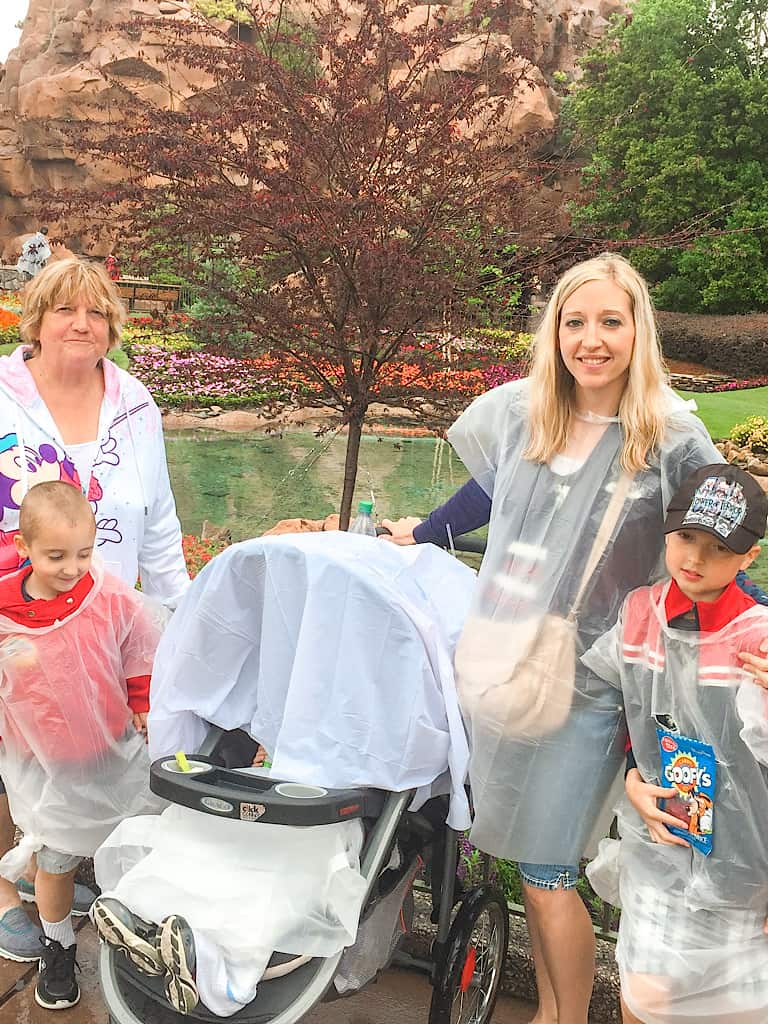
x=249 y=481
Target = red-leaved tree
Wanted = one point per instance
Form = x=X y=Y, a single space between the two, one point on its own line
x=364 y=186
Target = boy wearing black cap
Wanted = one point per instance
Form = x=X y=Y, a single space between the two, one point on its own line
x=692 y=941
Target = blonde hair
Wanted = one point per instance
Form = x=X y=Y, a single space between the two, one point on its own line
x=52 y=501
x=642 y=406
x=62 y=282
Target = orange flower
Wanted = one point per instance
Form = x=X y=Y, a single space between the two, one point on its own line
x=7 y=318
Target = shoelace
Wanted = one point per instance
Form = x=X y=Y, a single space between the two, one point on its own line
x=58 y=961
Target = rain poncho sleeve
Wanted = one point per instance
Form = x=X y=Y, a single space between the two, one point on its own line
x=541 y=794
x=691 y=942
x=72 y=763
x=334 y=651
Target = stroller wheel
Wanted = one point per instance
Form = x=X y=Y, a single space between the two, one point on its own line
x=471 y=963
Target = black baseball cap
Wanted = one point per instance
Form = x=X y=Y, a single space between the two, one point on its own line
x=722 y=500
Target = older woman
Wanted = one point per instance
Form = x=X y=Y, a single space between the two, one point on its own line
x=68 y=413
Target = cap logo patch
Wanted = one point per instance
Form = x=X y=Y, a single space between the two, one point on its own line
x=718 y=504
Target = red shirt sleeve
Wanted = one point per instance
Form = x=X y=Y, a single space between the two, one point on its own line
x=138 y=693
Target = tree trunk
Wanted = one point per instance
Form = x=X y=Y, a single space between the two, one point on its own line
x=350 y=468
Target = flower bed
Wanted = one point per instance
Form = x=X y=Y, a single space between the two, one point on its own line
x=198 y=552
x=197 y=378
x=188 y=379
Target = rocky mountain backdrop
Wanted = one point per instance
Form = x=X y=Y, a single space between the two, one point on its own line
x=56 y=71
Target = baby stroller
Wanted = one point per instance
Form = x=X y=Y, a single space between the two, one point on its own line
x=404 y=824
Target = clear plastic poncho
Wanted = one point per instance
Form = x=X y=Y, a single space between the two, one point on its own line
x=334 y=651
x=691 y=942
x=70 y=758
x=538 y=796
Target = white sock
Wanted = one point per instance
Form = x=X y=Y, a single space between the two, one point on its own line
x=59 y=931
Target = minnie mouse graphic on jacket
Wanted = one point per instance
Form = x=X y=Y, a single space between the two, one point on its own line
x=137 y=529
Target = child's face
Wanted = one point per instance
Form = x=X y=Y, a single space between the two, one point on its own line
x=60 y=554
x=701 y=565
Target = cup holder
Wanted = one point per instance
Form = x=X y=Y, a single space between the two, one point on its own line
x=298 y=791
x=195 y=767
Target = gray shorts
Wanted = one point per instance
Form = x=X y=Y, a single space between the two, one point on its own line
x=56 y=863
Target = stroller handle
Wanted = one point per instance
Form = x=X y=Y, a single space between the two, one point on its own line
x=465 y=543
x=244 y=796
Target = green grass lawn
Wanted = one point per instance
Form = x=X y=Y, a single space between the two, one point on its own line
x=758 y=571
x=722 y=409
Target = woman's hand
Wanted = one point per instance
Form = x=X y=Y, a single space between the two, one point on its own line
x=259 y=757
x=757 y=666
x=643 y=797
x=400 y=530
x=140 y=723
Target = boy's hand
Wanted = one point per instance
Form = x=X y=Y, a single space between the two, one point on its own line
x=140 y=722
x=643 y=797
x=757 y=666
x=259 y=757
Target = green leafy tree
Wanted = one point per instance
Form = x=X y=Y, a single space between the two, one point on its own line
x=227 y=10
x=672 y=112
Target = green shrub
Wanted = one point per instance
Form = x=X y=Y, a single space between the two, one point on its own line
x=182 y=400
x=228 y=10
x=512 y=346
x=143 y=336
x=753 y=433
x=10 y=336
x=119 y=358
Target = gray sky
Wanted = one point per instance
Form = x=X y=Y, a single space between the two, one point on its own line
x=11 y=11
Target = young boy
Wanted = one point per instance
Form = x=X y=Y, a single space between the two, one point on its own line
x=76 y=651
x=693 y=871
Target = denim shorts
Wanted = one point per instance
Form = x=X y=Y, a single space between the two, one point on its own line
x=549 y=876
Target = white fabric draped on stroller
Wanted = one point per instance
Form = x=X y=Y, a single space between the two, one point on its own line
x=335 y=652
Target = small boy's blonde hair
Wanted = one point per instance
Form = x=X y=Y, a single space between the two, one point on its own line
x=52 y=501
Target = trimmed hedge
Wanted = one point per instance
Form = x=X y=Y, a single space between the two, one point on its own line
x=736 y=345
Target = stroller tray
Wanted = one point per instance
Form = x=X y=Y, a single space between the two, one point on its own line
x=229 y=793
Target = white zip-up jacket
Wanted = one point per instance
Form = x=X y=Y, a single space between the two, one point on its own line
x=137 y=530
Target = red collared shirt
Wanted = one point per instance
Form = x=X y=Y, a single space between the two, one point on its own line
x=39 y=612
x=711 y=616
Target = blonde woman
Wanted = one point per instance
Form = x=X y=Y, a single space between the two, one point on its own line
x=549 y=452
x=68 y=413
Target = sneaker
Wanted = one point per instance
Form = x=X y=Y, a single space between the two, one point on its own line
x=81 y=904
x=56 y=987
x=20 y=939
x=122 y=929
x=177 y=950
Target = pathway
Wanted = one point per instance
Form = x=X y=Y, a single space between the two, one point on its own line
x=400 y=997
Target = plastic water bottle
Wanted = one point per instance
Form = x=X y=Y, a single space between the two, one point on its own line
x=363 y=522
